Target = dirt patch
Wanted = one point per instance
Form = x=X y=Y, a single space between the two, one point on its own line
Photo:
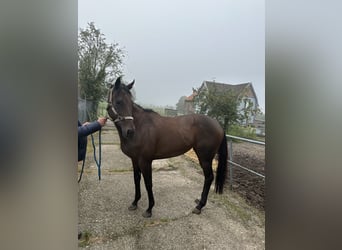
x=251 y=187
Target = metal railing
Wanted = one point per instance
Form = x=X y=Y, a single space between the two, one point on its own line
x=234 y=164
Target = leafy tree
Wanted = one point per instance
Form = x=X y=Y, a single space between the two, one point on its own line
x=220 y=105
x=248 y=110
x=98 y=64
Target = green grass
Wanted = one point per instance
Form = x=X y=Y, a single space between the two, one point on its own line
x=239 y=209
x=169 y=167
x=161 y=221
x=84 y=241
x=245 y=132
x=120 y=170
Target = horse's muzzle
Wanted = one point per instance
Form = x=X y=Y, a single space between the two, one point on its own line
x=127 y=132
x=130 y=133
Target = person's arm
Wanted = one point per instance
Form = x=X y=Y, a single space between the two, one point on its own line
x=88 y=129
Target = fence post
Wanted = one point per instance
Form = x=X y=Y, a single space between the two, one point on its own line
x=230 y=165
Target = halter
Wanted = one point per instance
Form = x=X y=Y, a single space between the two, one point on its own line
x=110 y=105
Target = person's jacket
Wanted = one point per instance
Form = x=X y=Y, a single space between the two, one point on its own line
x=83 y=132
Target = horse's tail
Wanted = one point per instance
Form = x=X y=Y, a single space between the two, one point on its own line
x=222 y=166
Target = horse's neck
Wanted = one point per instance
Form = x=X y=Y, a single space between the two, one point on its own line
x=137 y=112
x=141 y=115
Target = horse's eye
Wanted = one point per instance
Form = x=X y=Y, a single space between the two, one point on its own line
x=118 y=102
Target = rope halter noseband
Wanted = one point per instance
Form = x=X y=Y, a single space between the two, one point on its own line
x=110 y=105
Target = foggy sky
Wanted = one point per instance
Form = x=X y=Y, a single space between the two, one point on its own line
x=173 y=46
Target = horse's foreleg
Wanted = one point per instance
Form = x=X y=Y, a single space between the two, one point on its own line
x=137 y=178
x=209 y=177
x=147 y=174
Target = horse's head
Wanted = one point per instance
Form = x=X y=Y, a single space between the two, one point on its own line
x=120 y=107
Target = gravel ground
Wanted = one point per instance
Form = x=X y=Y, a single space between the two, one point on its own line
x=227 y=222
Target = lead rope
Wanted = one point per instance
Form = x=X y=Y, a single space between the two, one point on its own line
x=79 y=179
x=98 y=163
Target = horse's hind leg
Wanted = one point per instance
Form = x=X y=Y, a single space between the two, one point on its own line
x=137 y=178
x=209 y=177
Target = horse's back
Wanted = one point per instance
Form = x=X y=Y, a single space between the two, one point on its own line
x=200 y=130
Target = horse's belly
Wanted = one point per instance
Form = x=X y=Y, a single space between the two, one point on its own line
x=169 y=150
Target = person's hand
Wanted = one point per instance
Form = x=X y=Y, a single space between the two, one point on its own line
x=102 y=121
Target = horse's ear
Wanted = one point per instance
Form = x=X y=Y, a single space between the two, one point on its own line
x=129 y=86
x=117 y=83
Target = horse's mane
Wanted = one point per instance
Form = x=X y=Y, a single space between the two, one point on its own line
x=146 y=110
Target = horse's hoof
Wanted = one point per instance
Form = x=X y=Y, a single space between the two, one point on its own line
x=196 y=211
x=147 y=214
x=197 y=201
x=132 y=207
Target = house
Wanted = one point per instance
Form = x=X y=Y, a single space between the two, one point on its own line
x=259 y=124
x=170 y=112
x=244 y=92
x=189 y=107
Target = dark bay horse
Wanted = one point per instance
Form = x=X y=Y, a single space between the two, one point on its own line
x=146 y=136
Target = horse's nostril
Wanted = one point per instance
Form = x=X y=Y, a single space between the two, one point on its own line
x=130 y=132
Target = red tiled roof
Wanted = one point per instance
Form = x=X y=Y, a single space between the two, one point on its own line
x=191 y=97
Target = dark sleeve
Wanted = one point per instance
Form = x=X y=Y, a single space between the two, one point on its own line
x=89 y=129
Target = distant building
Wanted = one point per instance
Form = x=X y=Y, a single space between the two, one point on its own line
x=259 y=125
x=189 y=107
x=170 y=112
x=243 y=92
